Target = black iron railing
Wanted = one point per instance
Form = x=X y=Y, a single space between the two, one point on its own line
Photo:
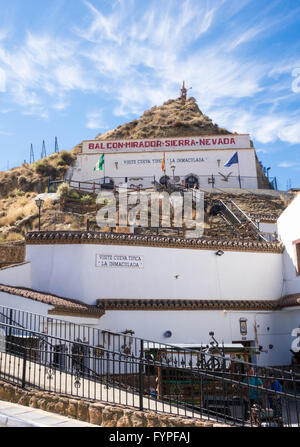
x=144 y=182
x=62 y=357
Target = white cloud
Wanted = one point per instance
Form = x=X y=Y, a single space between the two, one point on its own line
x=2 y=81
x=138 y=56
x=287 y=164
x=41 y=71
x=95 y=121
x=7 y=134
x=264 y=129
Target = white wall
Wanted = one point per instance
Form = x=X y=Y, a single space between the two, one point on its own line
x=18 y=276
x=194 y=327
x=70 y=271
x=24 y=304
x=289 y=230
x=142 y=165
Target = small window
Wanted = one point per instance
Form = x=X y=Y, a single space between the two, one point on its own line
x=297 y=255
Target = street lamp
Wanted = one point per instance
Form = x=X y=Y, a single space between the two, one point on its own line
x=39 y=203
x=173 y=170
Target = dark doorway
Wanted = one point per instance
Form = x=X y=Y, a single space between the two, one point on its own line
x=191 y=181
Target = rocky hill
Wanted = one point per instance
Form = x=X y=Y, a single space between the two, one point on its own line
x=19 y=186
x=175 y=118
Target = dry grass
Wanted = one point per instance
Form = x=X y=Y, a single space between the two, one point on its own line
x=16 y=210
x=174 y=118
x=14 y=237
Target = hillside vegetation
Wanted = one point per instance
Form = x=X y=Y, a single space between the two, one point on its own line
x=19 y=187
x=175 y=118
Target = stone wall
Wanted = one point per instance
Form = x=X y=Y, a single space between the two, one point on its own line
x=98 y=413
x=12 y=253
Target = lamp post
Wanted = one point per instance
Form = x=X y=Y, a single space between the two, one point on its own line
x=39 y=203
x=173 y=170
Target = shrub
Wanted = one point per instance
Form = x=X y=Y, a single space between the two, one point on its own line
x=22 y=181
x=86 y=198
x=43 y=168
x=74 y=195
x=63 y=190
x=66 y=158
x=62 y=169
x=17 y=193
x=12 y=236
x=52 y=156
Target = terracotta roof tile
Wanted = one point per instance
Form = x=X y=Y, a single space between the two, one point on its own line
x=64 y=306
x=201 y=304
x=84 y=237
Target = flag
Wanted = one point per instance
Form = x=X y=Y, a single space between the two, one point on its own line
x=234 y=159
x=100 y=163
x=163 y=165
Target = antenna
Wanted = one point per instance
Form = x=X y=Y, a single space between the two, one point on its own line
x=56 y=146
x=43 y=154
x=31 y=154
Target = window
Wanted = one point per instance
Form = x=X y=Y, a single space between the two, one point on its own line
x=297 y=255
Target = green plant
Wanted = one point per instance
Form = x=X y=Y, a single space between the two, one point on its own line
x=52 y=156
x=18 y=193
x=74 y=195
x=66 y=158
x=42 y=167
x=63 y=190
x=86 y=198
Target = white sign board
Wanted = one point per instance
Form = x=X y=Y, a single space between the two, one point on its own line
x=168 y=144
x=119 y=261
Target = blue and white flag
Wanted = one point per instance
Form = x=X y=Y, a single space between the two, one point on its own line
x=234 y=159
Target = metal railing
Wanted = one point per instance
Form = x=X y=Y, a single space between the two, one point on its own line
x=145 y=182
x=62 y=357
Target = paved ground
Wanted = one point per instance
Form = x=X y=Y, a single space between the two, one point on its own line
x=14 y=415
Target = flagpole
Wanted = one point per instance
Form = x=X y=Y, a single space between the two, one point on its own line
x=239 y=171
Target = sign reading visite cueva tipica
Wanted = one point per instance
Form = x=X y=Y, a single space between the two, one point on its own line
x=168 y=144
x=119 y=261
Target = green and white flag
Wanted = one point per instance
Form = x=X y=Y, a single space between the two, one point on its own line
x=100 y=163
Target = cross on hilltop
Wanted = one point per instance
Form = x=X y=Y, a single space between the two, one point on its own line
x=184 y=91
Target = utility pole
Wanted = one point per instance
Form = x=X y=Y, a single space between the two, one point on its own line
x=56 y=146
x=43 y=154
x=31 y=154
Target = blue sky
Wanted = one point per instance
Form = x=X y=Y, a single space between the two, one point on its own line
x=76 y=68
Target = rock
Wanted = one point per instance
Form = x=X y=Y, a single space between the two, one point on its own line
x=33 y=402
x=24 y=400
x=152 y=420
x=6 y=392
x=110 y=416
x=51 y=407
x=60 y=407
x=83 y=411
x=125 y=420
x=72 y=409
x=42 y=404
x=138 y=419
x=95 y=415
